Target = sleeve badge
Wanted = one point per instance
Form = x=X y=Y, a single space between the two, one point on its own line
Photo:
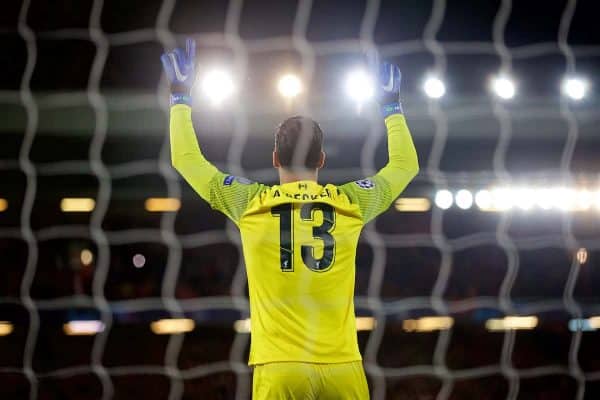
x=365 y=184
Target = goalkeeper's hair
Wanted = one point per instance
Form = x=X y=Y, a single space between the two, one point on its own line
x=299 y=134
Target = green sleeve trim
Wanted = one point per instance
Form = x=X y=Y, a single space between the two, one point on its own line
x=372 y=195
x=231 y=194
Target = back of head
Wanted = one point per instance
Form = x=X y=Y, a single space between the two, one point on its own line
x=299 y=143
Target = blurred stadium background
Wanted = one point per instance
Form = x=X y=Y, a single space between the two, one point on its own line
x=116 y=280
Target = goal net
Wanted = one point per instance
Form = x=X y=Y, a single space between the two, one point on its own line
x=117 y=280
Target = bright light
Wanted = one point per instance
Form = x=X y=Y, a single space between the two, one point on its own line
x=413 y=204
x=86 y=257
x=218 y=85
x=365 y=323
x=484 y=200
x=574 y=88
x=585 y=199
x=464 y=199
x=443 y=199
x=434 y=88
x=504 y=87
x=427 y=324
x=289 y=86
x=138 y=260
x=581 y=255
x=77 y=204
x=83 y=328
x=594 y=322
x=6 y=328
x=564 y=199
x=3 y=204
x=172 y=326
x=524 y=198
x=242 y=325
x=502 y=199
x=511 y=323
x=162 y=204
x=584 y=324
x=359 y=86
x=544 y=198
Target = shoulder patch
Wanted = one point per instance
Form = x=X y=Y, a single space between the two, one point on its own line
x=229 y=179
x=365 y=184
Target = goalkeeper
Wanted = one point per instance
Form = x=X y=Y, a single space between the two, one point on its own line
x=299 y=241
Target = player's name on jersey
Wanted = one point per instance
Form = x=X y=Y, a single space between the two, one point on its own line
x=301 y=196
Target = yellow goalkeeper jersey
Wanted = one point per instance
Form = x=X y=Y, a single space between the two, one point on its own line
x=299 y=241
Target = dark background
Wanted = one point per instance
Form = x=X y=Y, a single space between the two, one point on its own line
x=88 y=117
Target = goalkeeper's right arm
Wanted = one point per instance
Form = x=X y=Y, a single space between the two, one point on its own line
x=226 y=193
x=186 y=156
x=179 y=66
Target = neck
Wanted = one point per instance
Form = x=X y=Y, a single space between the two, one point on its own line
x=286 y=176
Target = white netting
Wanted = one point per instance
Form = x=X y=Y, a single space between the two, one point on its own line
x=431 y=122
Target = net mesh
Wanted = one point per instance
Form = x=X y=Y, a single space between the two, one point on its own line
x=386 y=245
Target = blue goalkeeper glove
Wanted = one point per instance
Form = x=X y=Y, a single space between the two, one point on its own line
x=389 y=77
x=388 y=83
x=180 y=69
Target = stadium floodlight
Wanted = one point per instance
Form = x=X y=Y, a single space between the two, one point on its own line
x=427 y=324
x=484 y=200
x=502 y=199
x=86 y=257
x=511 y=322
x=574 y=88
x=289 y=86
x=585 y=200
x=584 y=324
x=138 y=260
x=504 y=87
x=360 y=86
x=596 y=201
x=581 y=255
x=162 y=204
x=564 y=199
x=413 y=204
x=434 y=87
x=3 y=204
x=365 y=323
x=77 y=204
x=242 y=326
x=443 y=199
x=524 y=198
x=6 y=328
x=83 y=328
x=170 y=326
x=218 y=85
x=544 y=198
x=463 y=199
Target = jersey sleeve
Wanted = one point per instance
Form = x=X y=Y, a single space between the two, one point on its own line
x=375 y=194
x=226 y=193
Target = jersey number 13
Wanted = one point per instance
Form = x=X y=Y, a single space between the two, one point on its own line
x=322 y=232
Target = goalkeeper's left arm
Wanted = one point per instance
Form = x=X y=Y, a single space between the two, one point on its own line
x=226 y=193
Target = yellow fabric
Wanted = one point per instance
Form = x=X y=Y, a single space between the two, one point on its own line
x=294 y=380
x=301 y=314
x=223 y=192
x=299 y=241
x=391 y=180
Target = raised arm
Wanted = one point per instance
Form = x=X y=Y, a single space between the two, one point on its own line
x=374 y=195
x=186 y=156
x=226 y=193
